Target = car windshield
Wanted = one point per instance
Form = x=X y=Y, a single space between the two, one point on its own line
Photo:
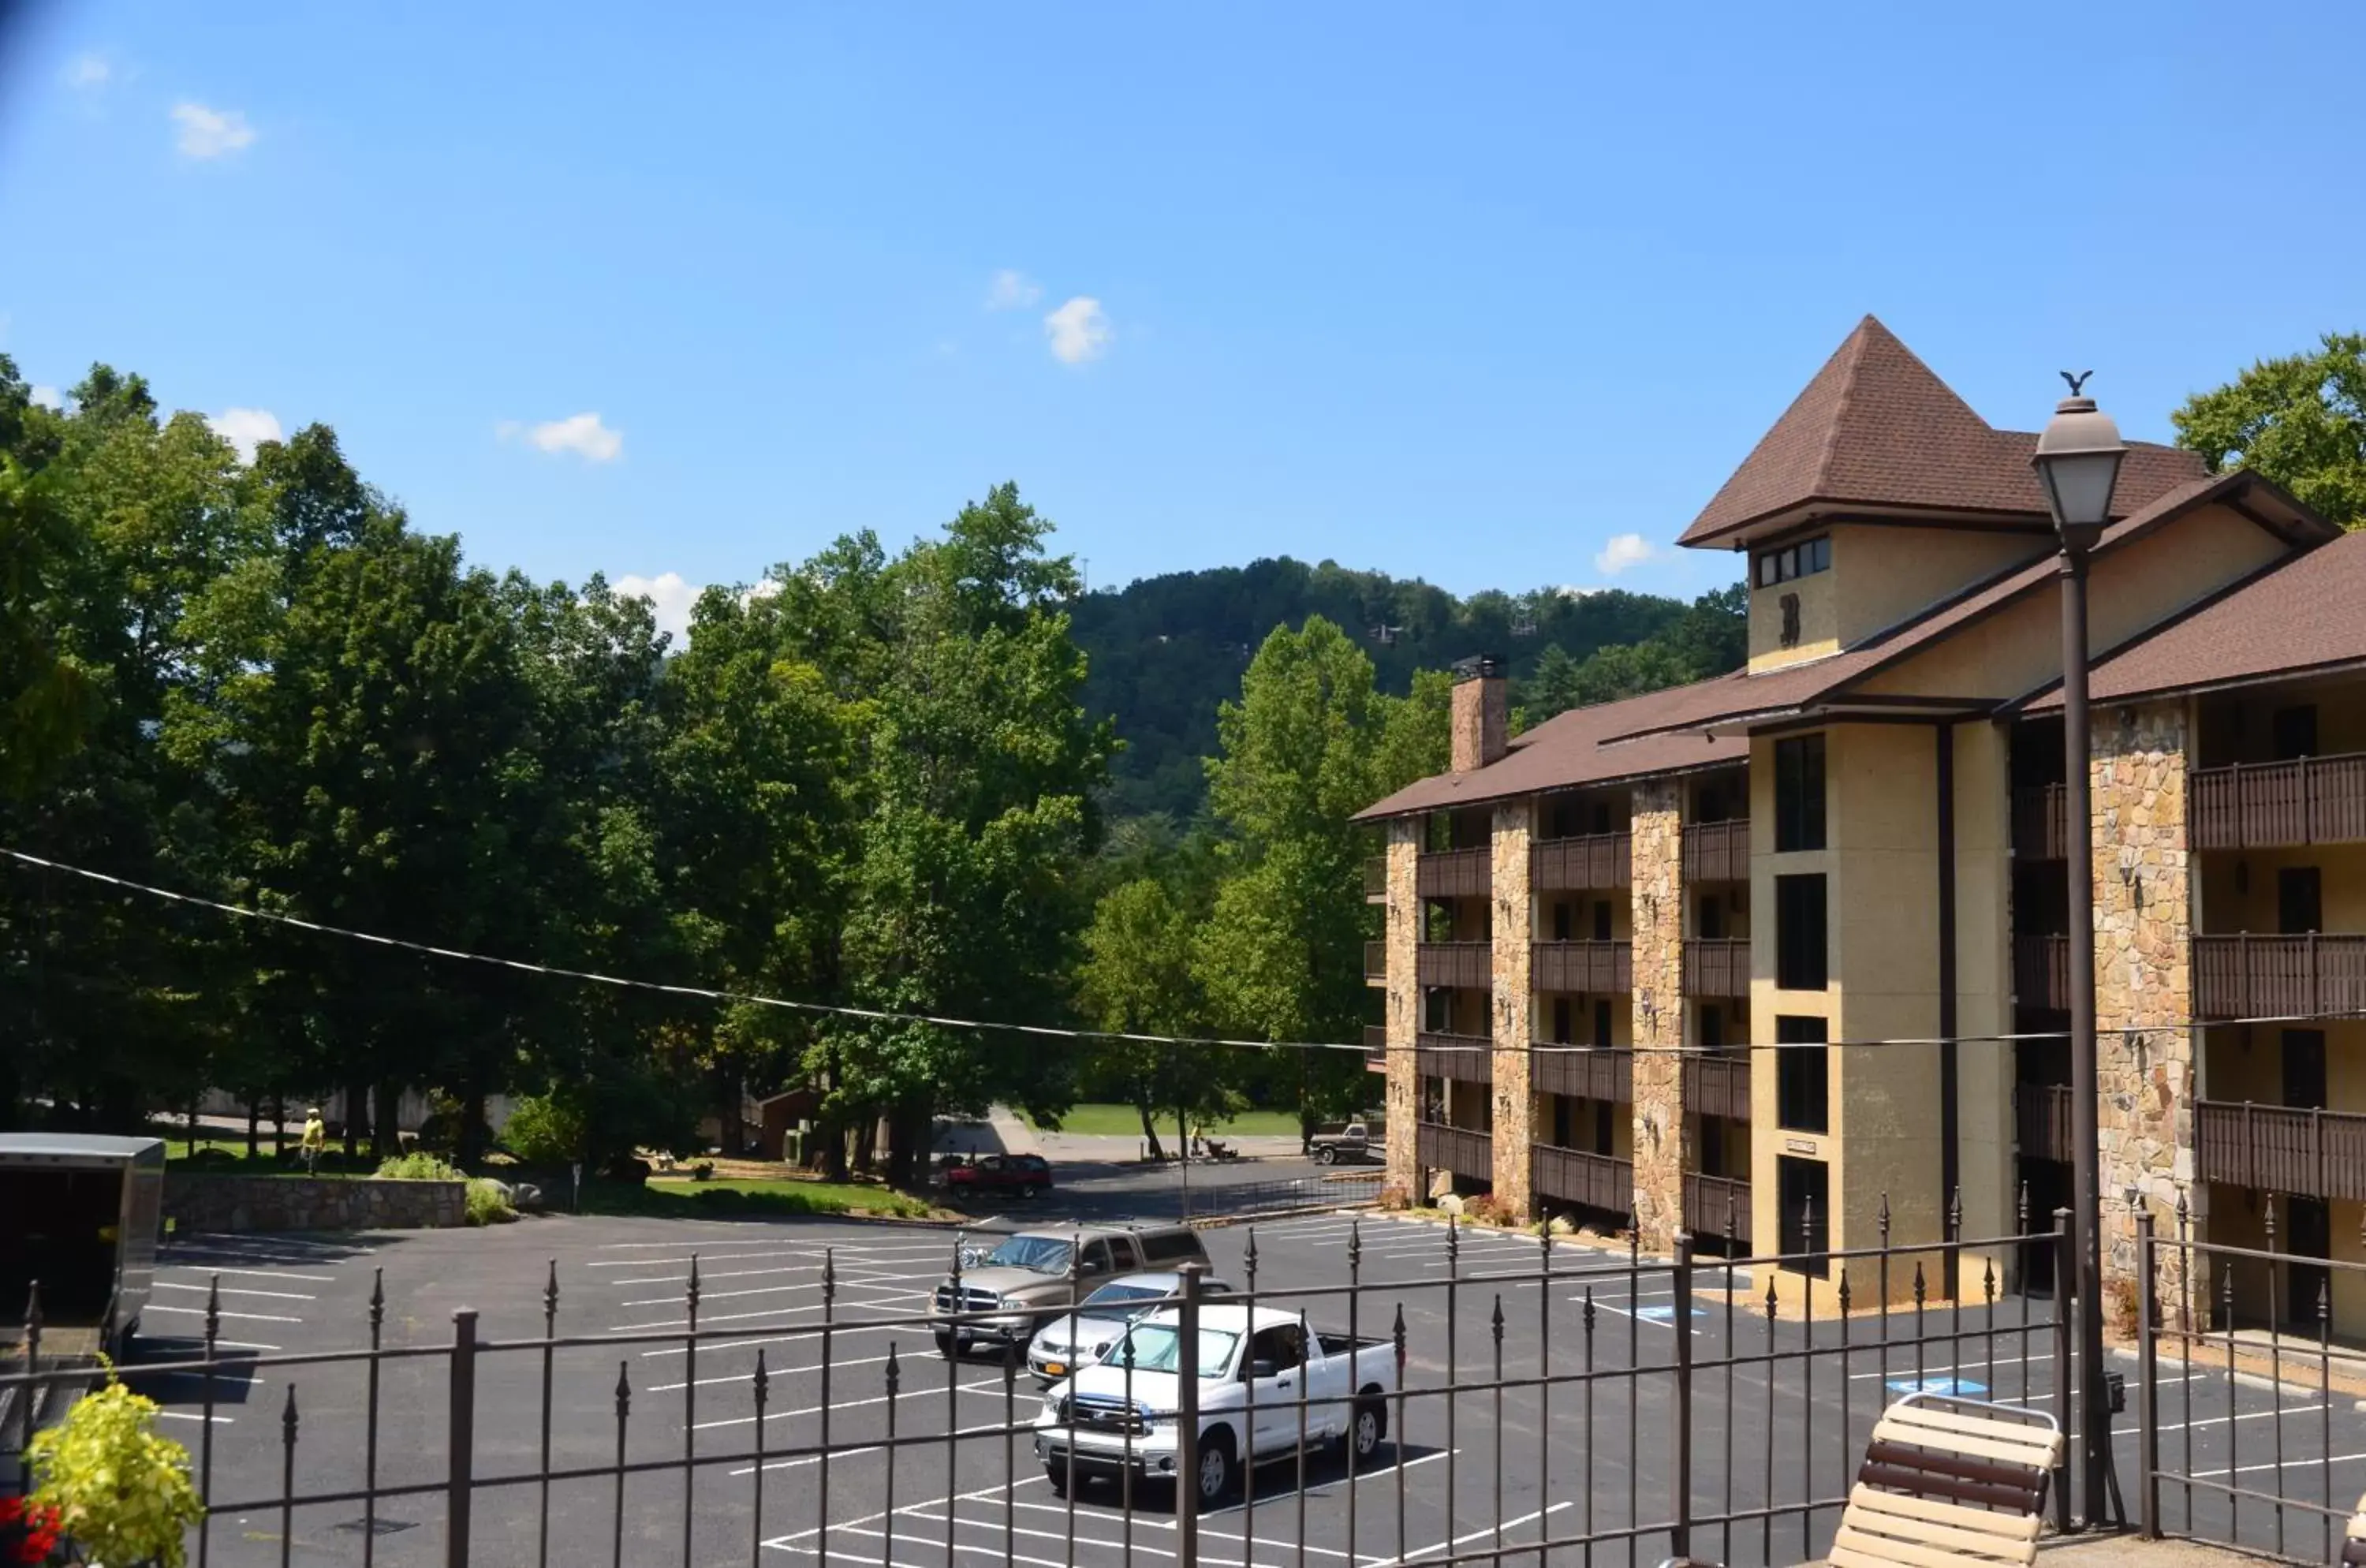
x=1041 y=1253
x=1120 y=1300
x=1157 y=1348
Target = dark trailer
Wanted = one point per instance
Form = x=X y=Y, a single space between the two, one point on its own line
x=79 y=1212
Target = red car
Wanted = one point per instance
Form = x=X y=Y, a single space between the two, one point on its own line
x=1025 y=1176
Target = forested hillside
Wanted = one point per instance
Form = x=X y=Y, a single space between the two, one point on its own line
x=1166 y=651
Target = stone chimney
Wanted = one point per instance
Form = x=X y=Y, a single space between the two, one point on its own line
x=1482 y=721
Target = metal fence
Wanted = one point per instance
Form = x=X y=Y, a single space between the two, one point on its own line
x=1550 y=1402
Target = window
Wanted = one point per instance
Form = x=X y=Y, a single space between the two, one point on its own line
x=1804 y=1196
x=1561 y=1107
x=1602 y=817
x=1602 y=920
x=1800 y=792
x=1712 y=1028
x=1561 y=924
x=1712 y=1154
x=2295 y=732
x=1606 y=1127
x=1561 y=1020
x=1790 y=636
x=1708 y=917
x=1805 y=559
x=1800 y=952
x=1096 y=1260
x=1803 y=1078
x=1601 y=1024
x=1279 y=1345
x=1170 y=1246
x=1122 y=1254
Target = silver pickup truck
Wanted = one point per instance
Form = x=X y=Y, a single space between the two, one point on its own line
x=1260 y=1365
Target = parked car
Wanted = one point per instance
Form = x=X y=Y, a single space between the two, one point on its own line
x=1036 y=1275
x=1351 y=1145
x=1079 y=1338
x=1344 y=1382
x=1022 y=1176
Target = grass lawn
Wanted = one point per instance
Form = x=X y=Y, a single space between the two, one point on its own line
x=678 y=1199
x=1124 y=1122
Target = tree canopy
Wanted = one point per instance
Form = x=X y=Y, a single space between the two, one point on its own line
x=2301 y=420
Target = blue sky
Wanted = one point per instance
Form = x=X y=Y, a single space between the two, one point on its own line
x=1465 y=293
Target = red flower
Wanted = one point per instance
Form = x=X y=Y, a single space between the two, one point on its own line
x=36 y=1547
x=11 y=1510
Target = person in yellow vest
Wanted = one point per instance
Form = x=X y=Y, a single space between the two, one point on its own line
x=316 y=1138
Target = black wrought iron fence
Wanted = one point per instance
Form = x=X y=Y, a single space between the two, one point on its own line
x=1491 y=1396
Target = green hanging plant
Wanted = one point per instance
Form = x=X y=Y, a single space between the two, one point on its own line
x=110 y=1489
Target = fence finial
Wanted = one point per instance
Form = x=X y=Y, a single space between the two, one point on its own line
x=550 y=1302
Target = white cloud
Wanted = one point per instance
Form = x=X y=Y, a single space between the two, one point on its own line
x=669 y=599
x=1623 y=551
x=49 y=397
x=210 y=133
x=1080 y=330
x=87 y=73
x=1013 y=290
x=245 y=429
x=581 y=434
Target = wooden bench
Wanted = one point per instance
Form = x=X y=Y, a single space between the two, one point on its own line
x=1949 y=1481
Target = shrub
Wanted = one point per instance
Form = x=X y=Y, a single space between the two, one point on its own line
x=1394 y=1198
x=418 y=1166
x=1480 y=1208
x=489 y=1203
x=703 y=1172
x=121 y=1491
x=542 y=1131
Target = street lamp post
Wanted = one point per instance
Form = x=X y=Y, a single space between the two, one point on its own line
x=2077 y=459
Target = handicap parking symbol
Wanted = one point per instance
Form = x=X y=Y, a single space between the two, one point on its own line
x=1665 y=1314
x=1957 y=1388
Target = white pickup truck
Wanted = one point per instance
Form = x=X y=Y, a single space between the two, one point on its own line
x=1271 y=1353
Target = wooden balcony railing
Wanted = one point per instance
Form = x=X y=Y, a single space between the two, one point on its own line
x=1717 y=1086
x=1583 y=1072
x=1469 y=1057
x=2041 y=823
x=1576 y=866
x=1376 y=961
x=2041 y=1115
x=1467 y=964
x=1456 y=873
x=1581 y=966
x=2275 y=1148
x=1571 y=1176
x=2268 y=976
x=1376 y=879
x=1718 y=1206
x=2041 y=972
x=2316 y=800
x=1717 y=852
x=1716 y=966
x=1466 y=1153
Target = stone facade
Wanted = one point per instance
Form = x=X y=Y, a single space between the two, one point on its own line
x=196 y=1202
x=1402 y=936
x=1479 y=722
x=2144 y=976
x=1663 y=1135
x=1511 y=1014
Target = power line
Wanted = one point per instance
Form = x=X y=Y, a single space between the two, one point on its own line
x=1043 y=1030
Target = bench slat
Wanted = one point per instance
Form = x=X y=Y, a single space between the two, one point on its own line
x=2042 y=1445
x=1944 y=1538
x=2022 y=1527
x=1914 y=1555
x=2041 y=1457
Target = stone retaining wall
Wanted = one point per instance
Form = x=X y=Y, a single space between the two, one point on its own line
x=196 y=1202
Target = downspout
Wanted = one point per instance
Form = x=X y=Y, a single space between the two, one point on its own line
x=1950 y=1109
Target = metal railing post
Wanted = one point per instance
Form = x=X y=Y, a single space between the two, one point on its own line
x=2148 y=1369
x=1187 y=1417
x=2064 y=1261
x=461 y=1441
x=1680 y=1533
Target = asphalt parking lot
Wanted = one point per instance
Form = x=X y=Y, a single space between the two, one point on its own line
x=1466 y=1472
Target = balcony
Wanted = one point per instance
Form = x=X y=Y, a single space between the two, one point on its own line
x=1716 y=1206
x=1582 y=864
x=2041 y=972
x=1376 y=880
x=2041 y=1117
x=2041 y=823
x=1376 y=963
x=1716 y=966
x=1470 y=1155
x=1456 y=873
x=1583 y=1072
x=2268 y=976
x=2257 y=805
x=1581 y=966
x=1376 y=1047
x=1717 y=852
x=2275 y=1148
x=1468 y=1058
x=1467 y=964
x=1570 y=1176
x=1717 y=1086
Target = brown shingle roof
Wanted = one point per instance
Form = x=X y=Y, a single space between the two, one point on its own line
x=2301 y=615
x=1876 y=427
x=1567 y=751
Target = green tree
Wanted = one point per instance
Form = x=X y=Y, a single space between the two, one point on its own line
x=2300 y=420
x=1137 y=977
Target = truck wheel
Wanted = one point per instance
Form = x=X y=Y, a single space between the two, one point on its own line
x=1215 y=1468
x=1326 y=1156
x=945 y=1344
x=1366 y=1427
x=1057 y=1475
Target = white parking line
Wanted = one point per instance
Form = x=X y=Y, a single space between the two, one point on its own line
x=237 y=1290
x=242 y=1316
x=844 y=1405
x=200 y=1418
x=775 y=1372
x=1445 y=1547
x=264 y=1273
x=2301 y=1464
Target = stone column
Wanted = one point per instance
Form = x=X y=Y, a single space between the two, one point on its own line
x=1402 y=935
x=1512 y=1013
x=1663 y=1133
x=2144 y=984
